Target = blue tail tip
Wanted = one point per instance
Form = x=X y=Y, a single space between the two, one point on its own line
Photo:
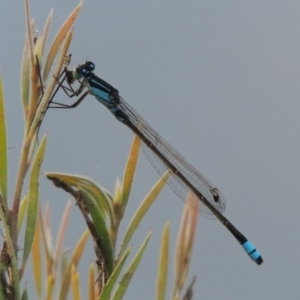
x=252 y=252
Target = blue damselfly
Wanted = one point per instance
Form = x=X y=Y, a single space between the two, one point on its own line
x=184 y=179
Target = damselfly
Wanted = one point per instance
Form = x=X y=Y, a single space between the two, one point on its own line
x=184 y=177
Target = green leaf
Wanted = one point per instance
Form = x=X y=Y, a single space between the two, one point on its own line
x=101 y=195
x=33 y=201
x=90 y=195
x=25 y=294
x=3 y=146
x=102 y=234
x=113 y=278
x=22 y=211
x=2 y=297
x=126 y=278
x=142 y=210
x=37 y=260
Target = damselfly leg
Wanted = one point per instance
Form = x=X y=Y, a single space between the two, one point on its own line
x=62 y=77
x=70 y=92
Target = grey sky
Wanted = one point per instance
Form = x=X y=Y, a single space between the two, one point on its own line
x=220 y=81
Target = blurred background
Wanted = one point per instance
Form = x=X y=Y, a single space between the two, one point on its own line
x=220 y=81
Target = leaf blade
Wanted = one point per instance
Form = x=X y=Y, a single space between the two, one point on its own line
x=163 y=264
x=123 y=284
x=3 y=146
x=32 y=208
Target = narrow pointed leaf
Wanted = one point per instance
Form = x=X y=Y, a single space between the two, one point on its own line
x=75 y=284
x=29 y=27
x=130 y=168
x=110 y=284
x=92 y=294
x=24 y=294
x=190 y=235
x=64 y=262
x=35 y=89
x=37 y=260
x=119 y=210
x=142 y=210
x=3 y=147
x=47 y=238
x=102 y=234
x=180 y=252
x=33 y=201
x=59 y=39
x=126 y=278
x=65 y=284
x=25 y=76
x=23 y=208
x=185 y=242
x=61 y=234
x=46 y=30
x=50 y=287
x=163 y=264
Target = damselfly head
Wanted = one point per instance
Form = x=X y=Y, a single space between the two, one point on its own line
x=84 y=70
x=88 y=66
x=80 y=72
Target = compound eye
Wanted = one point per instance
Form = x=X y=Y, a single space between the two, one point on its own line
x=84 y=71
x=90 y=65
